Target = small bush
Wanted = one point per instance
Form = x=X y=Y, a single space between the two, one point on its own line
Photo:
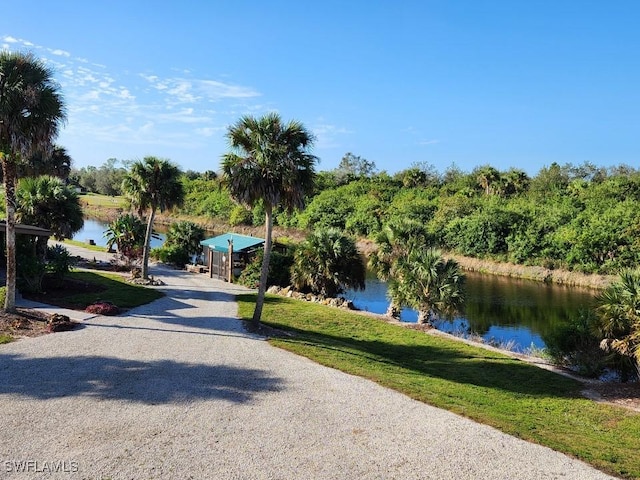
x=3 y=296
x=575 y=346
x=240 y=216
x=58 y=261
x=102 y=308
x=279 y=270
x=172 y=254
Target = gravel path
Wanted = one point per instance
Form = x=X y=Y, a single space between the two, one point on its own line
x=177 y=389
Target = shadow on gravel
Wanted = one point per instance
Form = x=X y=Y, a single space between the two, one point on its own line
x=108 y=378
x=162 y=310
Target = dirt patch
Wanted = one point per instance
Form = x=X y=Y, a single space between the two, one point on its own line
x=25 y=322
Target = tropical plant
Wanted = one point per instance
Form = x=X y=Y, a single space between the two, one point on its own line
x=31 y=112
x=430 y=284
x=152 y=184
x=49 y=203
x=279 y=269
x=618 y=309
x=269 y=164
x=127 y=234
x=56 y=163
x=394 y=243
x=327 y=263
x=183 y=240
x=187 y=235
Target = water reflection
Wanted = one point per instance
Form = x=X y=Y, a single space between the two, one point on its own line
x=499 y=309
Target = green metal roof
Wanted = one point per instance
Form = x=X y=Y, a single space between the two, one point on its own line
x=240 y=242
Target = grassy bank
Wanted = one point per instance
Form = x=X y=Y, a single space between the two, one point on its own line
x=488 y=387
x=560 y=277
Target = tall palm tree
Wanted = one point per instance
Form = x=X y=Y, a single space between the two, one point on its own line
x=394 y=243
x=269 y=164
x=328 y=263
x=49 y=203
x=152 y=184
x=618 y=312
x=31 y=112
x=431 y=284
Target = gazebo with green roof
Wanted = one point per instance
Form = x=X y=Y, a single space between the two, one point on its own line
x=218 y=250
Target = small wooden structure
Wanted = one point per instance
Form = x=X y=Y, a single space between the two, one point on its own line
x=228 y=254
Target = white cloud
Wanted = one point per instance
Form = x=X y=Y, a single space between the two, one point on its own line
x=327 y=135
x=428 y=142
x=126 y=110
x=60 y=53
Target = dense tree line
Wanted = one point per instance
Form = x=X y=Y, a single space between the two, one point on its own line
x=583 y=217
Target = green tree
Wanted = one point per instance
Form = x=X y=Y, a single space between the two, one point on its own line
x=430 y=284
x=327 y=263
x=31 y=112
x=487 y=178
x=618 y=311
x=353 y=167
x=127 y=234
x=48 y=203
x=269 y=164
x=56 y=163
x=394 y=243
x=152 y=184
x=183 y=240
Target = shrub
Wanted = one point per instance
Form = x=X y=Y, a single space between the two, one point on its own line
x=279 y=270
x=59 y=261
x=174 y=254
x=575 y=346
x=102 y=308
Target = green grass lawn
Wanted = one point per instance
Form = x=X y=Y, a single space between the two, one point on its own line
x=77 y=243
x=115 y=290
x=495 y=389
x=97 y=200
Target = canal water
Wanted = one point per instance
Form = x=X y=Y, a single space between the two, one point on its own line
x=510 y=313
x=94 y=230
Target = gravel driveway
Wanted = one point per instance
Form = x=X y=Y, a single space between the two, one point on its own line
x=176 y=389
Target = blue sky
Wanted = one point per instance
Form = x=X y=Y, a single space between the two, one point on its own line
x=507 y=83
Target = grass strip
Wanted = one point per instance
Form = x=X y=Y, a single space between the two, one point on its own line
x=491 y=388
x=115 y=290
x=77 y=243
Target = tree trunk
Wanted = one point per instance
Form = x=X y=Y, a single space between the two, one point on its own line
x=147 y=244
x=424 y=317
x=264 y=272
x=9 y=171
x=393 y=311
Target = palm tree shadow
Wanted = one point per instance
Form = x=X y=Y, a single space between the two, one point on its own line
x=109 y=378
x=479 y=368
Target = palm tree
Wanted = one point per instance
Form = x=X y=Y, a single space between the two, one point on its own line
x=486 y=177
x=56 y=163
x=394 y=243
x=430 y=284
x=618 y=312
x=49 y=203
x=328 y=263
x=127 y=233
x=152 y=184
x=269 y=164
x=31 y=112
